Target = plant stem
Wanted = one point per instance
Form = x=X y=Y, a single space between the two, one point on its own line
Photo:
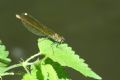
x=18 y=65
x=32 y=57
x=13 y=66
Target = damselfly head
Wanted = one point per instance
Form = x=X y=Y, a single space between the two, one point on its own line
x=58 y=38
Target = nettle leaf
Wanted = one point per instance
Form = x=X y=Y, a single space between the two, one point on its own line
x=65 y=56
x=3 y=55
x=32 y=75
x=51 y=72
x=48 y=70
x=41 y=71
x=57 y=69
x=4 y=60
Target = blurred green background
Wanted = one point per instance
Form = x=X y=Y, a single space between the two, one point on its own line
x=91 y=27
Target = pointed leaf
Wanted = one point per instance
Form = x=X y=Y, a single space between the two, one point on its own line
x=65 y=56
x=4 y=61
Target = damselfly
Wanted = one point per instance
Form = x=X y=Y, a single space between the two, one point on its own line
x=38 y=28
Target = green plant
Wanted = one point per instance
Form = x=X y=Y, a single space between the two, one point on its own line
x=51 y=66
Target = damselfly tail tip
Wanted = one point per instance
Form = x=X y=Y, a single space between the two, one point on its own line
x=18 y=16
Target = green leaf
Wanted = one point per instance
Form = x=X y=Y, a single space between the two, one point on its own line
x=4 y=60
x=65 y=56
x=51 y=72
x=38 y=72
x=41 y=73
x=58 y=69
x=32 y=76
